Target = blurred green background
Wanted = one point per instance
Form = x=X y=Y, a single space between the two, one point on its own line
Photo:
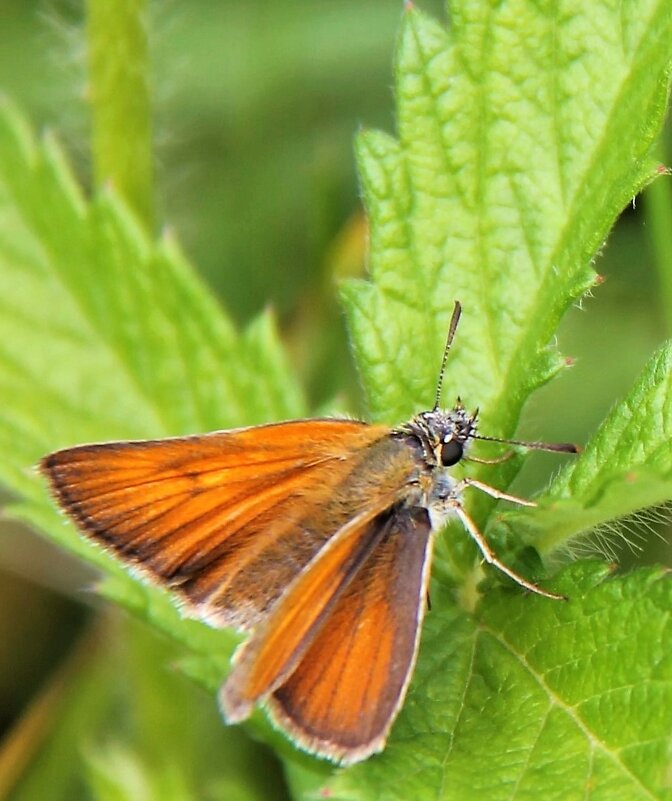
x=256 y=105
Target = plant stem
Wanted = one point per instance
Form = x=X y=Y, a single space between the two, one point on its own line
x=118 y=62
x=658 y=206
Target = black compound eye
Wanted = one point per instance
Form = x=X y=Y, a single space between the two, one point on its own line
x=451 y=453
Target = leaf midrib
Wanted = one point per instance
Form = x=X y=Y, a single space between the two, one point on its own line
x=555 y=700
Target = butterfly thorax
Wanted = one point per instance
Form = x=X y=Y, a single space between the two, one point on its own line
x=439 y=440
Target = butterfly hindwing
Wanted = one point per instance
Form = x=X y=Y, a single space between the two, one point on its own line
x=279 y=643
x=334 y=657
x=344 y=694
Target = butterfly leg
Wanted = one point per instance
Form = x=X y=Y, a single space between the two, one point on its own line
x=505 y=457
x=493 y=492
x=491 y=558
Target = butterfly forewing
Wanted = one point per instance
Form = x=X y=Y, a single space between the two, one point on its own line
x=221 y=518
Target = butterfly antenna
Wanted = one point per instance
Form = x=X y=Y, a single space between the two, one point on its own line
x=454 y=320
x=555 y=447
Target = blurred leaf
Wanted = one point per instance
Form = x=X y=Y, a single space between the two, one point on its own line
x=119 y=98
x=167 y=740
x=75 y=707
x=259 y=167
x=533 y=699
x=116 y=722
x=626 y=466
x=115 y=773
x=107 y=335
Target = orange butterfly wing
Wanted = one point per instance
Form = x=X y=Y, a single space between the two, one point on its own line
x=276 y=646
x=347 y=690
x=338 y=651
x=219 y=518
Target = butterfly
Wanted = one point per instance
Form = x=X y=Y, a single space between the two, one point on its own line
x=314 y=536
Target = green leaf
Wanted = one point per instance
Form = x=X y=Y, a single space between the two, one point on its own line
x=105 y=334
x=625 y=467
x=534 y=699
x=69 y=709
x=116 y=773
x=119 y=97
x=145 y=750
x=524 y=129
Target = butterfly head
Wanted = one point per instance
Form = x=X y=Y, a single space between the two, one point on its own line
x=444 y=436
